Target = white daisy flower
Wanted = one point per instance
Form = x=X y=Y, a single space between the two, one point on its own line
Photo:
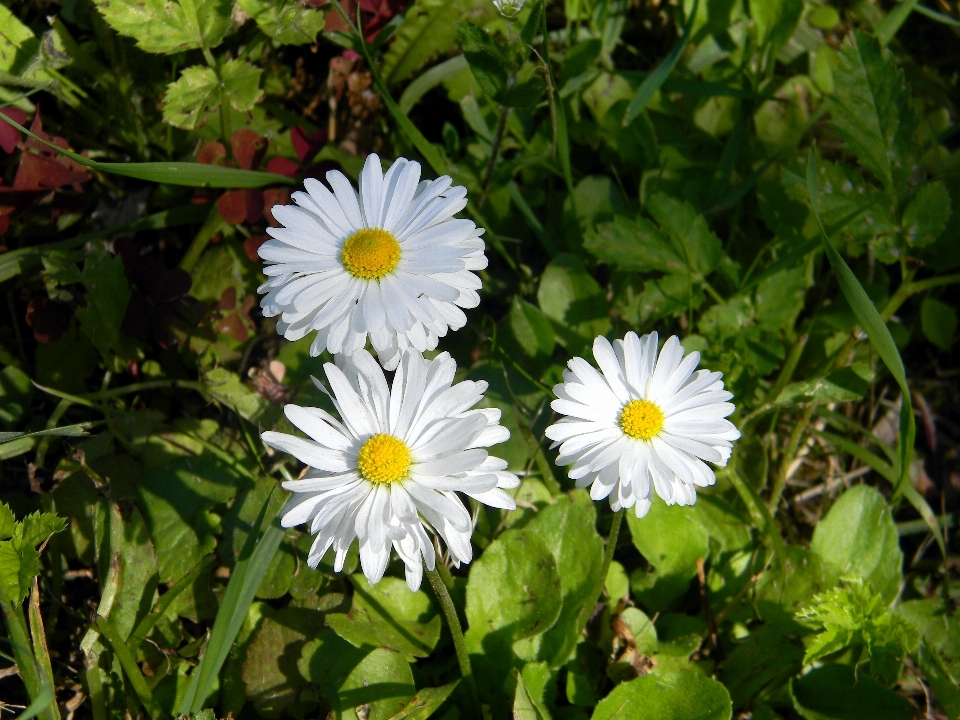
x=642 y=423
x=392 y=263
x=389 y=471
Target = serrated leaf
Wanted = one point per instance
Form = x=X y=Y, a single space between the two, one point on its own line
x=927 y=214
x=19 y=565
x=241 y=84
x=486 y=59
x=8 y=523
x=166 y=26
x=871 y=112
x=37 y=527
x=187 y=100
x=844 y=385
x=289 y=23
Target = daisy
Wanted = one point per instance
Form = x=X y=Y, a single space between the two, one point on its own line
x=388 y=472
x=392 y=262
x=644 y=422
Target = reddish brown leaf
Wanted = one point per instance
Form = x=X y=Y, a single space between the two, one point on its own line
x=271 y=197
x=282 y=166
x=228 y=299
x=307 y=146
x=38 y=172
x=251 y=245
x=232 y=325
x=5 y=224
x=9 y=135
x=237 y=206
x=248 y=148
x=211 y=153
x=49 y=319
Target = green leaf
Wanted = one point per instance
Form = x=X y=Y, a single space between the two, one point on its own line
x=130 y=668
x=858 y=537
x=939 y=322
x=651 y=85
x=15 y=393
x=389 y=615
x=188 y=99
x=523 y=706
x=241 y=84
x=8 y=523
x=531 y=328
x=666 y=696
x=287 y=23
x=349 y=677
x=844 y=385
x=837 y=692
x=939 y=655
x=37 y=527
x=871 y=112
x=568 y=531
x=108 y=293
x=426 y=702
x=169 y=26
x=488 y=63
x=776 y=20
x=513 y=592
x=927 y=214
x=768 y=657
x=855 y=616
x=573 y=300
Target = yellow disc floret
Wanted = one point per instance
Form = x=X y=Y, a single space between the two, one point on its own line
x=641 y=419
x=383 y=459
x=371 y=253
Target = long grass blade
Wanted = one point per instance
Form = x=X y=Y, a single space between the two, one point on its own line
x=129 y=664
x=40 y=649
x=429 y=80
x=879 y=336
x=172 y=173
x=251 y=566
x=655 y=79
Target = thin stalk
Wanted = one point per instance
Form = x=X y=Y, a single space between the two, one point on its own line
x=911 y=288
x=494 y=151
x=453 y=622
x=609 y=550
x=783 y=471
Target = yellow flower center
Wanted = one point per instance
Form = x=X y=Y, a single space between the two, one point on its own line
x=641 y=419
x=383 y=459
x=371 y=253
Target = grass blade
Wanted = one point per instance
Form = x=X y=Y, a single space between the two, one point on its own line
x=172 y=173
x=251 y=566
x=145 y=626
x=40 y=649
x=876 y=330
x=655 y=79
x=429 y=80
x=129 y=664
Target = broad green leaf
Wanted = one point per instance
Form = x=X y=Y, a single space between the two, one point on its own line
x=768 y=657
x=169 y=26
x=776 y=20
x=859 y=538
x=139 y=576
x=844 y=385
x=780 y=297
x=871 y=112
x=568 y=531
x=666 y=696
x=939 y=654
x=227 y=388
x=513 y=592
x=688 y=231
x=573 y=300
x=349 y=677
x=78 y=430
x=641 y=626
x=288 y=23
x=37 y=527
x=523 y=706
x=389 y=615
x=19 y=565
x=939 y=322
x=837 y=692
x=241 y=84
x=426 y=702
x=531 y=328
x=187 y=100
x=927 y=214
x=486 y=58
x=108 y=293
x=616 y=584
x=272 y=679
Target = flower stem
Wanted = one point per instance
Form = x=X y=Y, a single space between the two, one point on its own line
x=587 y=611
x=453 y=622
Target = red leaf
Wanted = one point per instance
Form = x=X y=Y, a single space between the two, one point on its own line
x=307 y=146
x=282 y=166
x=211 y=153
x=233 y=326
x=9 y=135
x=49 y=319
x=4 y=224
x=228 y=299
x=248 y=148
x=38 y=172
x=271 y=197
x=237 y=206
x=252 y=244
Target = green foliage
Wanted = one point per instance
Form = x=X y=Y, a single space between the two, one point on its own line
x=678 y=696
x=853 y=616
x=161 y=26
x=19 y=556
